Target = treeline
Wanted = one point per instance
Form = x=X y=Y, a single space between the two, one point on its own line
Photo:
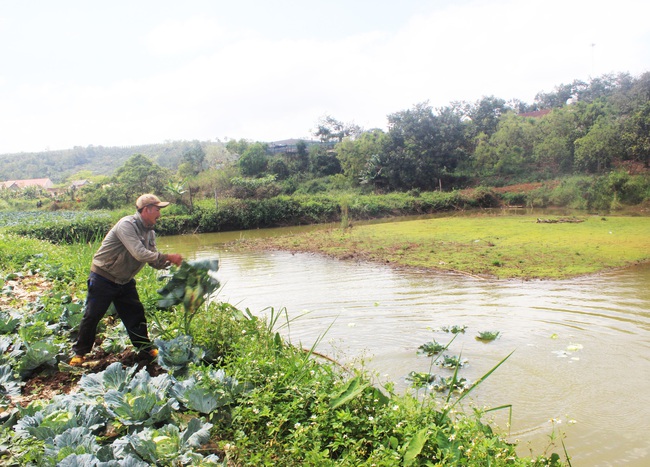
x=598 y=129
x=580 y=128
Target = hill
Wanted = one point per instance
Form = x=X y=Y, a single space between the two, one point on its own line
x=100 y=160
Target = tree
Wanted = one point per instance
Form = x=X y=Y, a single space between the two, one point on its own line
x=278 y=167
x=422 y=147
x=194 y=157
x=297 y=161
x=553 y=142
x=354 y=155
x=595 y=151
x=508 y=150
x=254 y=160
x=636 y=135
x=138 y=175
x=238 y=147
x=485 y=114
x=331 y=130
x=323 y=162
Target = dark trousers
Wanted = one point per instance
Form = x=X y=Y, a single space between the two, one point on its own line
x=101 y=293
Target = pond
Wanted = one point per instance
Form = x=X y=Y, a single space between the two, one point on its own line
x=580 y=362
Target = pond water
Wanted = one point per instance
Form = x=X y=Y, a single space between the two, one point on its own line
x=580 y=347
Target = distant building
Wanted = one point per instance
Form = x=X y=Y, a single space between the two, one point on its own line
x=536 y=113
x=44 y=183
x=290 y=146
x=76 y=184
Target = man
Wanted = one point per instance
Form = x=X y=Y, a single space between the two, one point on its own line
x=123 y=253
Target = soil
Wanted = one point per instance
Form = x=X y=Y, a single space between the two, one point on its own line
x=48 y=383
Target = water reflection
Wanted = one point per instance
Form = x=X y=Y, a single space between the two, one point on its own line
x=581 y=346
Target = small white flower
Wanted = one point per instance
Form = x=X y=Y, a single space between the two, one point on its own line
x=371 y=418
x=297 y=425
x=396 y=407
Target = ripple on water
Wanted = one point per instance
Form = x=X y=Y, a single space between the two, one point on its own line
x=581 y=346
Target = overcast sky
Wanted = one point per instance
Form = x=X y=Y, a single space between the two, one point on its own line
x=121 y=73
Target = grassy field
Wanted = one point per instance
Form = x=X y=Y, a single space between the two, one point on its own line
x=504 y=247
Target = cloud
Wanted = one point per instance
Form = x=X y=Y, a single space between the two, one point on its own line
x=174 y=37
x=203 y=75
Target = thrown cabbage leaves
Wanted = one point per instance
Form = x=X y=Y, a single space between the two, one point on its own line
x=189 y=284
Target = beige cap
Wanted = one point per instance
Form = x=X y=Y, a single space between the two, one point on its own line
x=150 y=200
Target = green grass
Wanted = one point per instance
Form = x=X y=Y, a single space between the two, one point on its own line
x=487 y=246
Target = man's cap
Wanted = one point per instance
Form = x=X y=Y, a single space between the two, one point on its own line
x=150 y=200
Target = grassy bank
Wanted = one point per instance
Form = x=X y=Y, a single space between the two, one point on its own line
x=236 y=395
x=498 y=246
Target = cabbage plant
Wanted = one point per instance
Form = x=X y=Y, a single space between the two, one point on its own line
x=36 y=355
x=170 y=445
x=115 y=377
x=175 y=355
x=205 y=392
x=143 y=402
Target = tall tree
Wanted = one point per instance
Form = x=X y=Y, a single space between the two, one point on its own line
x=355 y=154
x=323 y=162
x=595 y=151
x=330 y=129
x=138 y=175
x=485 y=114
x=194 y=157
x=254 y=160
x=423 y=147
x=636 y=135
x=509 y=150
x=553 y=142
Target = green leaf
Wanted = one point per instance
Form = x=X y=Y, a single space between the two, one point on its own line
x=37 y=354
x=114 y=377
x=415 y=446
x=351 y=391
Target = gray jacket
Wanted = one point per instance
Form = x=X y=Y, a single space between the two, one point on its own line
x=126 y=249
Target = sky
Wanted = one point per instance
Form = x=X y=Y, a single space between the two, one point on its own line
x=130 y=72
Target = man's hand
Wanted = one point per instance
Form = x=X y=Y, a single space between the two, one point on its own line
x=174 y=259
